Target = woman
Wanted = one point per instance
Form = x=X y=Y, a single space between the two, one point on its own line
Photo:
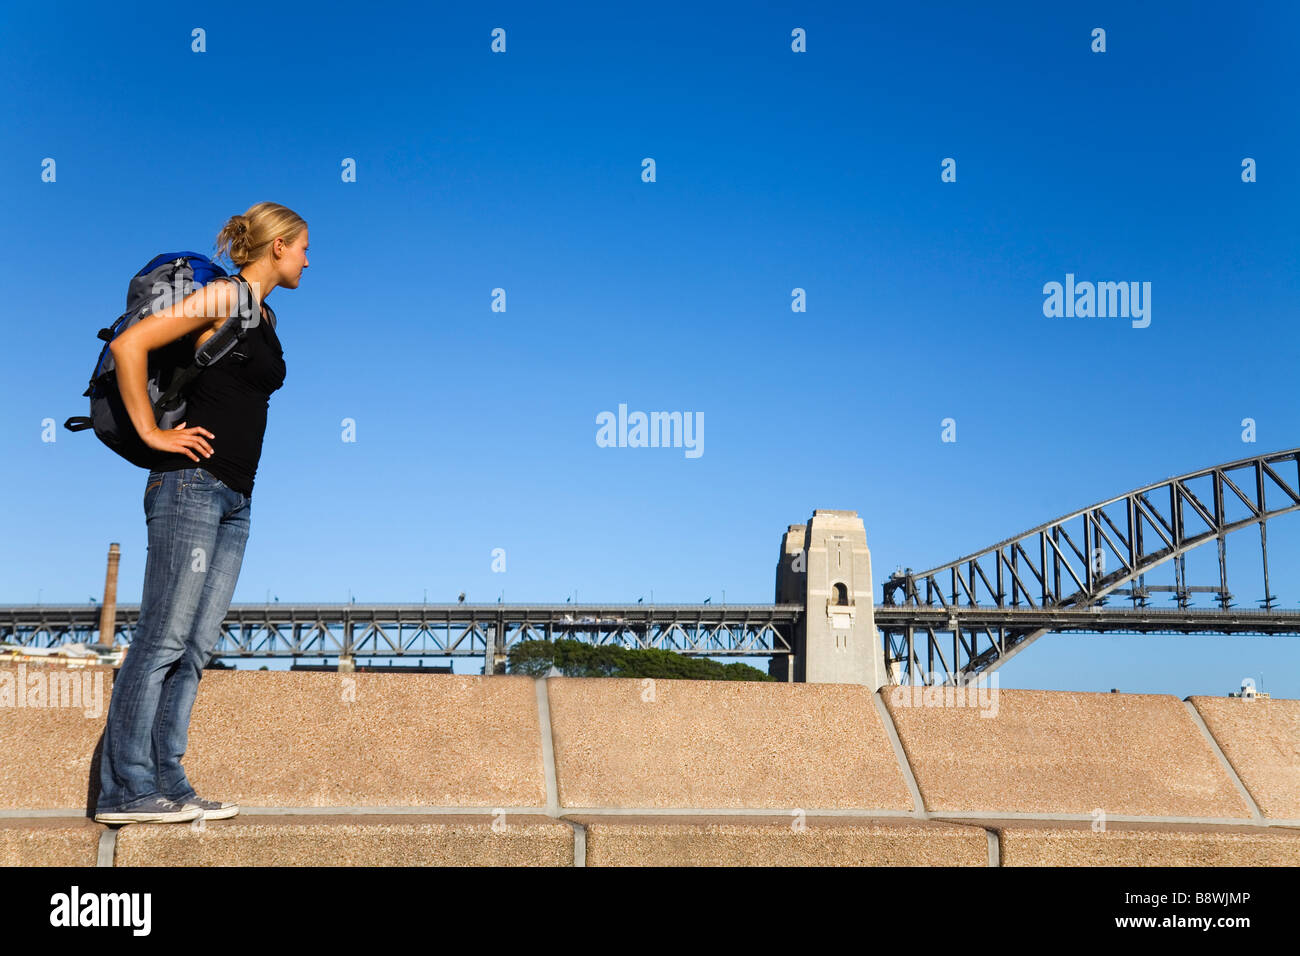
x=198 y=517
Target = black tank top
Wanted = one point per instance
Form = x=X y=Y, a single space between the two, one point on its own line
x=230 y=398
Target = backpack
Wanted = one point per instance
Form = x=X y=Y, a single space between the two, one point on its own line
x=165 y=280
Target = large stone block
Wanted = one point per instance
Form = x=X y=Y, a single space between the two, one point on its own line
x=698 y=744
x=1261 y=739
x=51 y=719
x=316 y=739
x=1066 y=753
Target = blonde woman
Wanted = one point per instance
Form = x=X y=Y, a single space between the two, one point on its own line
x=197 y=505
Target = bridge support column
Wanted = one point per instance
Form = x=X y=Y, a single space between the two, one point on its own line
x=826 y=567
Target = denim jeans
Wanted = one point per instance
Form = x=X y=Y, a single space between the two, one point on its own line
x=197 y=531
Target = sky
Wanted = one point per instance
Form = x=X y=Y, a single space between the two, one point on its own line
x=773 y=171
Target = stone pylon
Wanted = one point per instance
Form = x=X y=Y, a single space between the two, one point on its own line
x=825 y=566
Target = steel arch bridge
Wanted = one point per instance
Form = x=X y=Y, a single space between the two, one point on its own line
x=948 y=624
x=979 y=611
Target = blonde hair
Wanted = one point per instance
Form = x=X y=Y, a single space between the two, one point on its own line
x=246 y=238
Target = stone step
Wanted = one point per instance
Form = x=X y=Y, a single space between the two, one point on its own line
x=1053 y=843
x=663 y=770
x=356 y=839
x=778 y=840
x=49 y=841
x=457 y=839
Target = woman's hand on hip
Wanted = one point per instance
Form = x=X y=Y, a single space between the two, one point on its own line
x=180 y=439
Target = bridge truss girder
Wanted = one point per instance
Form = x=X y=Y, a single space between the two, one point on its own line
x=446 y=630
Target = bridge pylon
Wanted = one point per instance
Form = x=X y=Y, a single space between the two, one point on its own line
x=825 y=566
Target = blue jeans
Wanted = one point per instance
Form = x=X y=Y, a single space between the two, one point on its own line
x=197 y=531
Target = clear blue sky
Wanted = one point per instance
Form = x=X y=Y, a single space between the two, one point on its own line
x=775 y=170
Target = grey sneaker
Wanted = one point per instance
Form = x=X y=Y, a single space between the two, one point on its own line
x=150 y=810
x=212 y=809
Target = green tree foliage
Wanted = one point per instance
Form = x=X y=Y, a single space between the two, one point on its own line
x=578 y=659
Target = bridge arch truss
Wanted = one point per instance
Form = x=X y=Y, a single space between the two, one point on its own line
x=975 y=613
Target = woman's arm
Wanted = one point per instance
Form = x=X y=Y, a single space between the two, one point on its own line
x=200 y=310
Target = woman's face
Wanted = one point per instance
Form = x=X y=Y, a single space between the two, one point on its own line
x=294 y=261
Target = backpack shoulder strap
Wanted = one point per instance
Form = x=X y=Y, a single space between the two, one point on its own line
x=212 y=350
x=270 y=312
x=231 y=331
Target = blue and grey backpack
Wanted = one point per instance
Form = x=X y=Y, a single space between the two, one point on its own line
x=167 y=279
